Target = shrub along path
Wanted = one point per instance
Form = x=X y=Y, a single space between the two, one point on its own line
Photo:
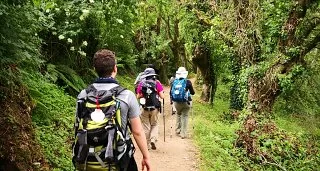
x=175 y=154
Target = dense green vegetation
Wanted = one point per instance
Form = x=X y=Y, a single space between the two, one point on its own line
x=215 y=134
x=256 y=64
x=53 y=118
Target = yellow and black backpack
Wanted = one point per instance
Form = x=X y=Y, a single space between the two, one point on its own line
x=100 y=142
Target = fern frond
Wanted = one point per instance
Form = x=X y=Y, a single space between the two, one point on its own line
x=39 y=104
x=68 y=82
x=67 y=75
x=72 y=76
x=92 y=72
x=52 y=72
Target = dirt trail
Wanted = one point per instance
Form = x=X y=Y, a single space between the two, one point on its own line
x=175 y=154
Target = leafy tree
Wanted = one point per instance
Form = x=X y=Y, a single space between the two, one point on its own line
x=274 y=46
x=205 y=42
x=270 y=45
x=75 y=30
x=152 y=35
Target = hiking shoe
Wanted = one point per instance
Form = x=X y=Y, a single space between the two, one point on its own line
x=149 y=147
x=153 y=146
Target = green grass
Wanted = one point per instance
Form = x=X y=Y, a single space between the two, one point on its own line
x=303 y=120
x=301 y=124
x=213 y=135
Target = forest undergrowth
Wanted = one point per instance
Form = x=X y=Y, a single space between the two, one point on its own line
x=294 y=146
x=292 y=143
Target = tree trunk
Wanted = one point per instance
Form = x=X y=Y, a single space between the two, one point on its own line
x=163 y=69
x=214 y=82
x=236 y=102
x=201 y=59
x=176 y=46
x=263 y=92
x=264 y=89
x=205 y=94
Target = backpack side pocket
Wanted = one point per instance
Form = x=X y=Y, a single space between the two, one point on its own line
x=81 y=148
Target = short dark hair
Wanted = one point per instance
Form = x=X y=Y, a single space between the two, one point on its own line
x=104 y=61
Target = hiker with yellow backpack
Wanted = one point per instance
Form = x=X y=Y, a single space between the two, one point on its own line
x=105 y=113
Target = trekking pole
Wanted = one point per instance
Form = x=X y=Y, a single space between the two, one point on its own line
x=192 y=116
x=171 y=122
x=164 y=122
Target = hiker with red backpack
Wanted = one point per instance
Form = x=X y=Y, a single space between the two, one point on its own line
x=180 y=95
x=106 y=115
x=149 y=91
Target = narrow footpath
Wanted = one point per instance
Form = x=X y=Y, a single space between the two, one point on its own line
x=175 y=154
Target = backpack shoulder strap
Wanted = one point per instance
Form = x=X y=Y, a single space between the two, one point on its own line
x=185 y=81
x=90 y=88
x=152 y=83
x=117 y=90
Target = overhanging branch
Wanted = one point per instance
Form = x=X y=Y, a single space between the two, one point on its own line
x=295 y=17
x=308 y=27
x=290 y=39
x=311 y=45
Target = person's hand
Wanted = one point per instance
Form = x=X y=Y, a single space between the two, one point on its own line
x=145 y=163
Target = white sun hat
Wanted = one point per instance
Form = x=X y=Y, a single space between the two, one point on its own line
x=181 y=72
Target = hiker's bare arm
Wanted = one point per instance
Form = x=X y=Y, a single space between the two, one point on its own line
x=139 y=96
x=161 y=94
x=139 y=136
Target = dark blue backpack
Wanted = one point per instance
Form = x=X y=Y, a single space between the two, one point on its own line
x=149 y=91
x=178 y=90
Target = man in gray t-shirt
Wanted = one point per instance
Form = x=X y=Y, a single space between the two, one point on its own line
x=129 y=105
x=105 y=65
